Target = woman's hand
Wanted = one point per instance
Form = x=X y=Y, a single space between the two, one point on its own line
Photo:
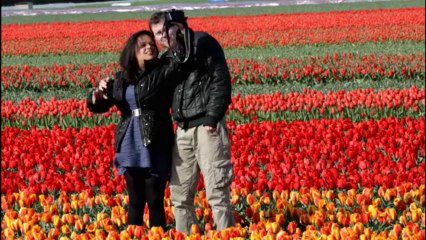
x=100 y=91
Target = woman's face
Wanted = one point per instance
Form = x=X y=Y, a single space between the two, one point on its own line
x=145 y=49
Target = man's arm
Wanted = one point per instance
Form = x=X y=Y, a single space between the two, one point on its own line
x=219 y=89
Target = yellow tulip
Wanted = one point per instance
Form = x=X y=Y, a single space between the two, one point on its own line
x=235 y=199
x=372 y=209
x=391 y=213
x=342 y=197
x=100 y=234
x=358 y=228
x=368 y=232
x=294 y=198
x=272 y=227
x=408 y=197
x=415 y=215
x=377 y=202
x=56 y=221
x=16 y=225
x=125 y=235
x=65 y=229
x=9 y=233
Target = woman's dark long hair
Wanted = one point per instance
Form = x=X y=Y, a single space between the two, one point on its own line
x=128 y=60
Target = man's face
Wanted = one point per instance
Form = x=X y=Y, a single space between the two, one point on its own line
x=159 y=31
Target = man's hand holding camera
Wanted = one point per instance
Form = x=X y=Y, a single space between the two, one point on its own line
x=175 y=32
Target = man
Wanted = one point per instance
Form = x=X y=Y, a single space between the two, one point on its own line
x=202 y=143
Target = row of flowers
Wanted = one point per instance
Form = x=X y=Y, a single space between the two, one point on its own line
x=268 y=155
x=231 y=31
x=307 y=213
x=312 y=69
x=356 y=104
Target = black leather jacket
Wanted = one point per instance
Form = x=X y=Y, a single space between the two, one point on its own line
x=153 y=93
x=204 y=93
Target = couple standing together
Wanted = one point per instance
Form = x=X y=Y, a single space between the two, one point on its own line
x=148 y=153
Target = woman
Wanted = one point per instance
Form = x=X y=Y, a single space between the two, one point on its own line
x=142 y=91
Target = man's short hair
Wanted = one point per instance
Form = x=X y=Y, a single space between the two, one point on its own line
x=156 y=18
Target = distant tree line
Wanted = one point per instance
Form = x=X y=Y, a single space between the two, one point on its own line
x=35 y=2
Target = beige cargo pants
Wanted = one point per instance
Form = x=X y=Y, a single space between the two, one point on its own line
x=196 y=149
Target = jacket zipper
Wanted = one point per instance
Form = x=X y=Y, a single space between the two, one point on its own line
x=137 y=92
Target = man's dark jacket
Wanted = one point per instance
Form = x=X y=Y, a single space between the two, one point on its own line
x=204 y=93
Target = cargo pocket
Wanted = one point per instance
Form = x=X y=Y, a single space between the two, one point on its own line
x=221 y=177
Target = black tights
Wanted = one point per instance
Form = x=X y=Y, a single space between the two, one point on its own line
x=145 y=188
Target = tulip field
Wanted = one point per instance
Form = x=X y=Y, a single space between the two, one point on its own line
x=327 y=124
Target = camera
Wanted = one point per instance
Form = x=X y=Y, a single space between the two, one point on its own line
x=175 y=16
x=180 y=42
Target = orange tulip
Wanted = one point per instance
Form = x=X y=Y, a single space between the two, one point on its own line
x=408 y=197
x=355 y=217
x=195 y=229
x=198 y=213
x=138 y=231
x=207 y=227
x=250 y=199
x=113 y=236
x=252 y=227
x=305 y=199
x=79 y=225
x=266 y=200
x=349 y=201
x=66 y=208
x=282 y=235
x=125 y=235
x=86 y=218
x=53 y=233
x=368 y=232
x=330 y=206
x=396 y=230
x=377 y=202
x=358 y=228
x=318 y=219
x=207 y=214
x=305 y=219
x=279 y=218
x=342 y=197
x=91 y=228
x=335 y=230
x=46 y=217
